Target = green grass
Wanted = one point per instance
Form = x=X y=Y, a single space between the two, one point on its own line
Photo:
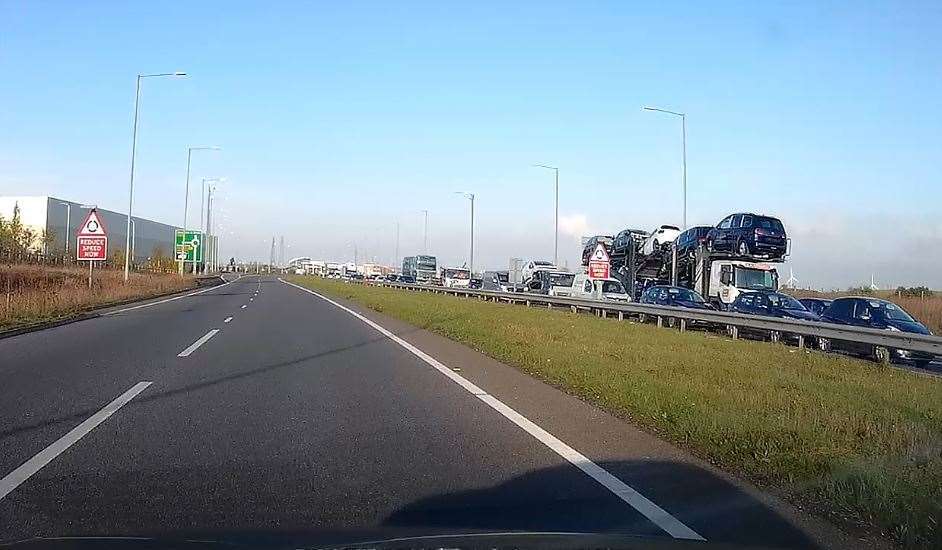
x=860 y=442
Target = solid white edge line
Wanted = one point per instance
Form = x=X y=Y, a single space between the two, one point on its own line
x=633 y=498
x=13 y=480
x=203 y=339
x=227 y=319
x=169 y=299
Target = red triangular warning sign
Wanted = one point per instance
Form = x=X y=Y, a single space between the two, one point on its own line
x=92 y=225
x=600 y=254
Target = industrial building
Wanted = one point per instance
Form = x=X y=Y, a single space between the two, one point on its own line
x=62 y=219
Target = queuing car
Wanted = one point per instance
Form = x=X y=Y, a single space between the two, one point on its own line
x=864 y=311
x=658 y=238
x=691 y=239
x=771 y=304
x=589 y=247
x=498 y=281
x=815 y=305
x=406 y=279
x=475 y=283
x=666 y=295
x=553 y=283
x=598 y=289
x=748 y=234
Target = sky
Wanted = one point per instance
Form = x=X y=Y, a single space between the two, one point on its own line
x=341 y=121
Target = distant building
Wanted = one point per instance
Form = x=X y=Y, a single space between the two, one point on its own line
x=48 y=215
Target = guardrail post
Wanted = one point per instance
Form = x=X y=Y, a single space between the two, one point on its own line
x=660 y=321
x=734 y=332
x=775 y=336
x=572 y=308
x=621 y=315
x=549 y=305
x=528 y=303
x=801 y=341
x=683 y=325
x=605 y=314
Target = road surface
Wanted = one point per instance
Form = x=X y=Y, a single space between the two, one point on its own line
x=258 y=409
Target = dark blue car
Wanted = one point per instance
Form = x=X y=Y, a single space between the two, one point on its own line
x=863 y=311
x=749 y=235
x=664 y=295
x=815 y=305
x=771 y=304
x=688 y=241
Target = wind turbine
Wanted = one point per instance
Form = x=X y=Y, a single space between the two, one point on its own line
x=873 y=286
x=792 y=281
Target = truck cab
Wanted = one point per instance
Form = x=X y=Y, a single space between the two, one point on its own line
x=730 y=278
x=456 y=277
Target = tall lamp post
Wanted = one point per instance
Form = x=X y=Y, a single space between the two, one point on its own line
x=186 y=193
x=137 y=101
x=470 y=196
x=556 y=239
x=683 y=126
x=425 y=241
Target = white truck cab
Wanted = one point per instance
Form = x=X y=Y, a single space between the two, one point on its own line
x=730 y=278
x=598 y=289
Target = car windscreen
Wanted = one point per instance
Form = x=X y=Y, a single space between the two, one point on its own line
x=784 y=302
x=613 y=287
x=891 y=311
x=561 y=279
x=457 y=274
x=685 y=295
x=755 y=279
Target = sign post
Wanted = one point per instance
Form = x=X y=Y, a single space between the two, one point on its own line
x=188 y=247
x=91 y=242
x=600 y=265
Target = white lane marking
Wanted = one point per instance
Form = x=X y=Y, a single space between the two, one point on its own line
x=203 y=339
x=227 y=319
x=633 y=498
x=244 y=306
x=252 y=299
x=169 y=299
x=47 y=455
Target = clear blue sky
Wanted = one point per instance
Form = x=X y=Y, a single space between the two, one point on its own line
x=339 y=118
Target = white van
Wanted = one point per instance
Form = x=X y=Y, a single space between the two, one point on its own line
x=598 y=289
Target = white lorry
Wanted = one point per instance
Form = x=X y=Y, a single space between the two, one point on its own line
x=730 y=278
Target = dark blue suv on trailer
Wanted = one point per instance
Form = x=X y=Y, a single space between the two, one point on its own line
x=815 y=305
x=749 y=235
x=863 y=311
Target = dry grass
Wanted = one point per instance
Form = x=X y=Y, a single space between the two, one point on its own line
x=860 y=442
x=32 y=293
x=927 y=309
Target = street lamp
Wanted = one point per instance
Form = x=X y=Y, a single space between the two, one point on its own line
x=186 y=196
x=425 y=246
x=137 y=101
x=556 y=241
x=203 y=201
x=470 y=196
x=683 y=125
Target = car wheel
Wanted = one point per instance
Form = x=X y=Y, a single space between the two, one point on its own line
x=743 y=248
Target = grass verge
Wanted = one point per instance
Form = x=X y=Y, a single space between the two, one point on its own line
x=857 y=441
x=34 y=294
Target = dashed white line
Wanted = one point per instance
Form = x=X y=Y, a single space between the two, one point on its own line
x=169 y=299
x=633 y=498
x=47 y=455
x=244 y=306
x=227 y=319
x=203 y=339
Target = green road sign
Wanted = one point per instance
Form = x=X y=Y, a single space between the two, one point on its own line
x=188 y=246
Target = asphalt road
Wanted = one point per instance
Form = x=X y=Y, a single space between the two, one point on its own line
x=299 y=419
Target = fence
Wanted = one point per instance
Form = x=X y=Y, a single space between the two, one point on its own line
x=775 y=328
